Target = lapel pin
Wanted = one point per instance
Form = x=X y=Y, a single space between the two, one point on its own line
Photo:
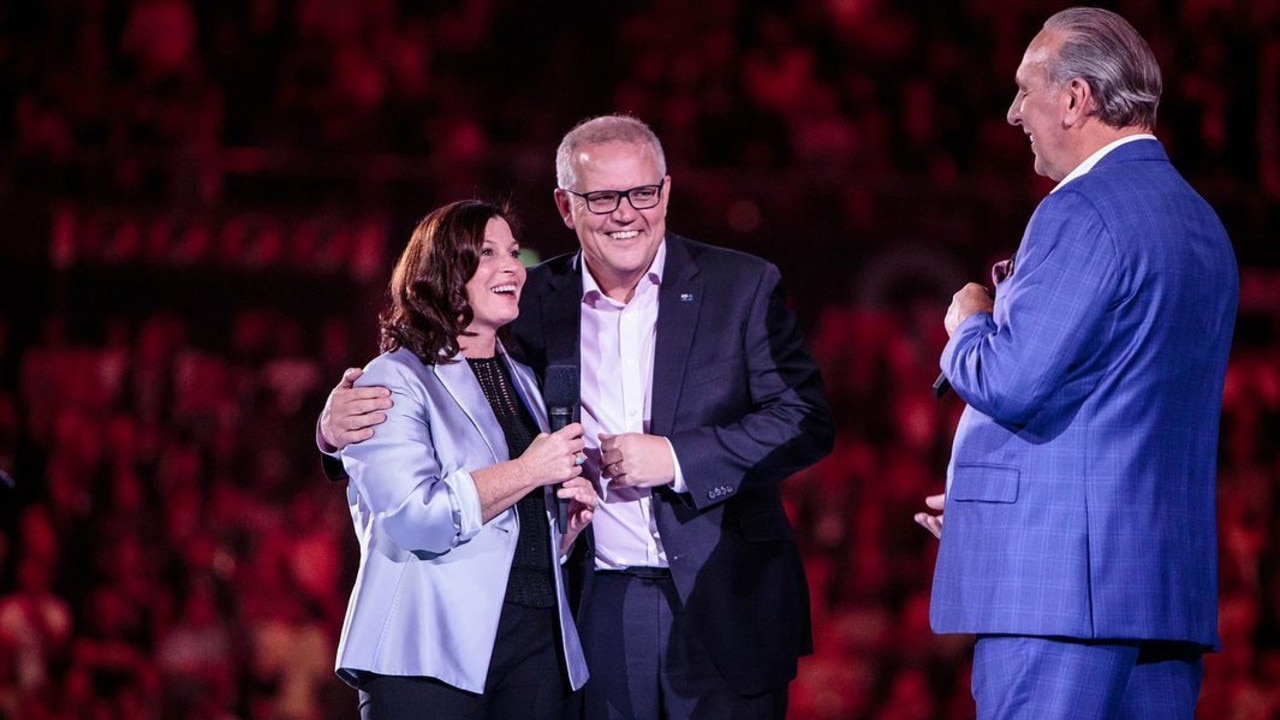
x=686 y=297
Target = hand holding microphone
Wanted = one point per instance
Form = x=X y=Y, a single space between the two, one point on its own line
x=970 y=299
x=560 y=393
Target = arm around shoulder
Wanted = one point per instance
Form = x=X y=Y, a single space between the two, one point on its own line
x=423 y=498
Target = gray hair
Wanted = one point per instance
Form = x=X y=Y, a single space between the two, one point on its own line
x=1105 y=51
x=601 y=130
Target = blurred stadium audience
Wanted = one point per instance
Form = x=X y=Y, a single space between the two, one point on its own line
x=199 y=203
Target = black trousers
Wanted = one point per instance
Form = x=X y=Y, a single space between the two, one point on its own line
x=526 y=679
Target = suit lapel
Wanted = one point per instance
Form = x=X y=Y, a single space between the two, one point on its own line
x=562 y=314
x=679 y=303
x=460 y=382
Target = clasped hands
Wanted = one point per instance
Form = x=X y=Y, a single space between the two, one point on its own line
x=636 y=460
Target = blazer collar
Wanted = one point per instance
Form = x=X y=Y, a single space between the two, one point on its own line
x=1142 y=147
x=460 y=382
x=527 y=387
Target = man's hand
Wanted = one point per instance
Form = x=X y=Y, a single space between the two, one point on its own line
x=932 y=523
x=636 y=460
x=350 y=413
x=972 y=298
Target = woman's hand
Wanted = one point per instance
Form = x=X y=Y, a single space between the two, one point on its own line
x=553 y=458
x=582 y=507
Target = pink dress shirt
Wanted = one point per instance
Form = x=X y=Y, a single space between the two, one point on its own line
x=617 y=376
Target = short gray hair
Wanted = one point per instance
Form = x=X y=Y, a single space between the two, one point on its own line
x=1105 y=51
x=601 y=130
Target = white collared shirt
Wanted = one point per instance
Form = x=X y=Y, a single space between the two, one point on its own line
x=1101 y=152
x=617 y=347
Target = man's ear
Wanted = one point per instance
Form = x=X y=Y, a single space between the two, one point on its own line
x=564 y=207
x=1079 y=101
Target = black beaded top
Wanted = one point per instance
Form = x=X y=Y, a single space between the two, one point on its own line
x=530 y=583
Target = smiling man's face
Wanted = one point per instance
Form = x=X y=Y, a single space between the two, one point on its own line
x=619 y=246
x=1040 y=108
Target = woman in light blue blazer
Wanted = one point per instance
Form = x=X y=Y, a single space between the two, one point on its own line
x=459 y=607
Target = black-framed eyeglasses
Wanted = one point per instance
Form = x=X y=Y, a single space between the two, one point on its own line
x=603 y=202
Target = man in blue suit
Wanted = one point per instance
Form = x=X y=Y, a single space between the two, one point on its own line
x=1080 y=538
x=698 y=398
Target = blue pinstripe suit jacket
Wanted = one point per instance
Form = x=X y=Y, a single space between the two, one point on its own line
x=1082 y=479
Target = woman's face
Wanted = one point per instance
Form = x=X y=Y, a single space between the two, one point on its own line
x=494 y=290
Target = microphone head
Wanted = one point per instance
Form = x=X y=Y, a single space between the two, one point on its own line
x=561 y=386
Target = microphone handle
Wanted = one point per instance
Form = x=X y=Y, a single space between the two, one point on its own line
x=941 y=386
x=557 y=417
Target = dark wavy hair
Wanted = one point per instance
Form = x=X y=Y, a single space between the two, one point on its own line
x=428 y=308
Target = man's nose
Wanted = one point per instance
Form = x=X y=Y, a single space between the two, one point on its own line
x=625 y=209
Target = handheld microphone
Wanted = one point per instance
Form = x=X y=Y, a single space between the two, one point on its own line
x=941 y=386
x=999 y=273
x=560 y=392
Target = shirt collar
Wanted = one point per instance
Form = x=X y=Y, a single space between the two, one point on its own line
x=1093 y=159
x=591 y=290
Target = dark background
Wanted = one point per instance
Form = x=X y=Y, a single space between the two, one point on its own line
x=200 y=203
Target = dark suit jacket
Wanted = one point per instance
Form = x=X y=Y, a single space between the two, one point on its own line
x=741 y=400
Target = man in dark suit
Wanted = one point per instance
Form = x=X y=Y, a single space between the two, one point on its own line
x=1080 y=538
x=698 y=398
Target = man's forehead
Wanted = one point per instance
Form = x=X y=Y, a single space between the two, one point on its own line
x=1039 y=51
x=614 y=149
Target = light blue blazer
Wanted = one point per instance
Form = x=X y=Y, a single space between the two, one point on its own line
x=432 y=576
x=1083 y=476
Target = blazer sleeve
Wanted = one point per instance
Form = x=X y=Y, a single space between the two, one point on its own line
x=1040 y=343
x=331 y=464
x=421 y=505
x=785 y=425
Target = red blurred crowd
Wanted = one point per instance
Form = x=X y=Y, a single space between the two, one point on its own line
x=168 y=545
